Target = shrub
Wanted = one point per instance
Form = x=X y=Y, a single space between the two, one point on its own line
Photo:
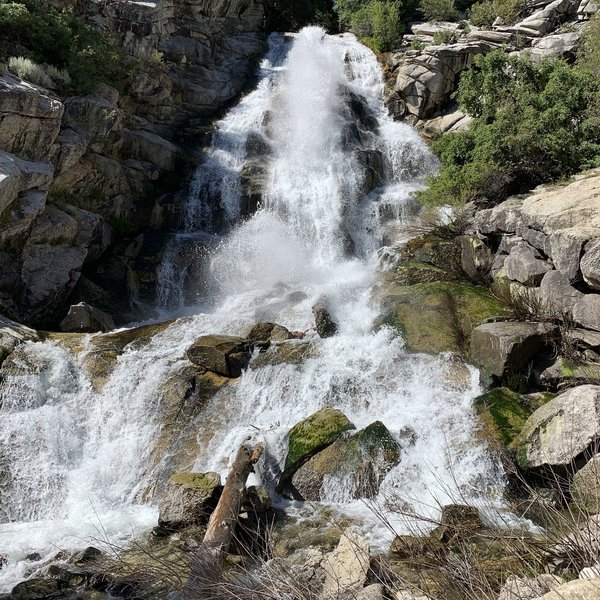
x=439 y=10
x=291 y=15
x=532 y=125
x=378 y=24
x=445 y=36
x=28 y=70
x=61 y=39
x=484 y=13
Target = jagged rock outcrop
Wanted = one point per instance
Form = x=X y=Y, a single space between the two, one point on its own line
x=81 y=175
x=557 y=230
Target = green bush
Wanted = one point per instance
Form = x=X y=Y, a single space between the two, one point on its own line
x=378 y=24
x=439 y=10
x=59 y=38
x=445 y=36
x=532 y=124
x=484 y=13
x=29 y=70
x=291 y=15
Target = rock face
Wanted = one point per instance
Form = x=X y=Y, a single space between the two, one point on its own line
x=310 y=436
x=189 y=499
x=85 y=318
x=81 y=174
x=425 y=80
x=222 y=354
x=554 y=247
x=325 y=325
x=507 y=346
x=351 y=467
x=559 y=432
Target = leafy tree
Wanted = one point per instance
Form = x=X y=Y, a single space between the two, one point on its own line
x=439 y=10
x=531 y=125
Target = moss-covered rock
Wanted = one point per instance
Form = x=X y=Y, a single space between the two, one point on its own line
x=189 y=499
x=434 y=250
x=357 y=462
x=183 y=397
x=504 y=413
x=310 y=436
x=100 y=352
x=410 y=273
x=293 y=352
x=438 y=316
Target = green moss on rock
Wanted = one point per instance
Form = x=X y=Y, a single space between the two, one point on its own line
x=438 y=316
x=410 y=273
x=316 y=432
x=503 y=413
x=201 y=482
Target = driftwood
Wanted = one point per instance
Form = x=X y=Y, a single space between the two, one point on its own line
x=208 y=560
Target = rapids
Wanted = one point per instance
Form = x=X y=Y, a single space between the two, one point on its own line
x=78 y=458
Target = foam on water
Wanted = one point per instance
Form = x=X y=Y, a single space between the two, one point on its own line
x=77 y=458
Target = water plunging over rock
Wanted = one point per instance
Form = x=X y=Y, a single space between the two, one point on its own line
x=87 y=449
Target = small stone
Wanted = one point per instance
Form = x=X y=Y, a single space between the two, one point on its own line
x=325 y=325
x=585 y=487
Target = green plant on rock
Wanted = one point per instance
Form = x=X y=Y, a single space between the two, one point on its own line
x=60 y=39
x=443 y=37
x=532 y=124
x=439 y=10
x=484 y=13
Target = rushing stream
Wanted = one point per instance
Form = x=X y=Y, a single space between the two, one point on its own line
x=77 y=458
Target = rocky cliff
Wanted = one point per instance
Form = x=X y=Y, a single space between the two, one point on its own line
x=88 y=184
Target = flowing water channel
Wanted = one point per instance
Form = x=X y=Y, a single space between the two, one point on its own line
x=337 y=176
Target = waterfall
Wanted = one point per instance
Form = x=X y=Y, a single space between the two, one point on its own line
x=336 y=177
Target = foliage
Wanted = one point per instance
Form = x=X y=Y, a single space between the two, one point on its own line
x=531 y=125
x=444 y=36
x=43 y=34
x=378 y=24
x=439 y=10
x=291 y=15
x=47 y=76
x=484 y=13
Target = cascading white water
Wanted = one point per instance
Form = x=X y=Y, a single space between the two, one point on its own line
x=78 y=456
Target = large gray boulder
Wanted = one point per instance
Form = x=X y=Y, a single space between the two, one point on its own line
x=310 y=436
x=564 y=428
x=189 y=499
x=507 y=346
x=586 y=311
x=84 y=318
x=579 y=589
x=556 y=294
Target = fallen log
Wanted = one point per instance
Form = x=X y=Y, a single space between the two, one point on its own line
x=210 y=556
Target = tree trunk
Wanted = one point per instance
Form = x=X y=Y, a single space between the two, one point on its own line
x=208 y=560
